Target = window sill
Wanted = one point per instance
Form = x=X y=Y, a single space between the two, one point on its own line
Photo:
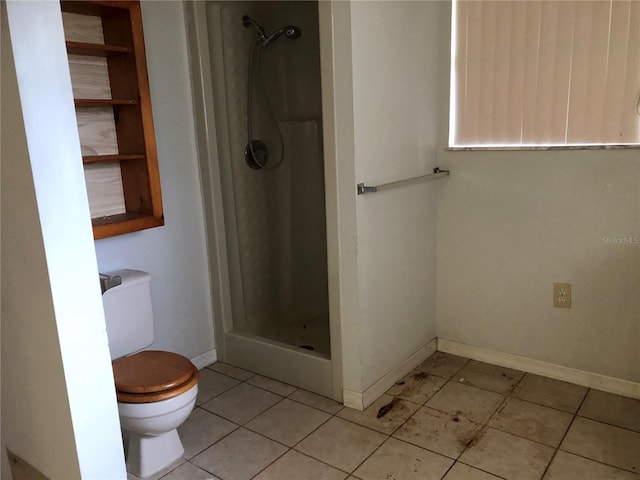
x=543 y=148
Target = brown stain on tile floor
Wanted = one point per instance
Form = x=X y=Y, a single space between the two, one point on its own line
x=387 y=407
x=473 y=438
x=410 y=390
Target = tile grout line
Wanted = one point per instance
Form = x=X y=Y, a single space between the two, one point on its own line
x=510 y=395
x=412 y=415
x=403 y=423
x=241 y=425
x=482 y=427
x=244 y=425
x=506 y=396
x=407 y=419
x=485 y=425
x=334 y=415
x=211 y=445
x=573 y=418
x=292 y=448
x=541 y=405
x=283 y=396
x=218 y=440
x=608 y=424
x=361 y=426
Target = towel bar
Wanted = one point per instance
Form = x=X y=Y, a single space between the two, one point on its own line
x=362 y=188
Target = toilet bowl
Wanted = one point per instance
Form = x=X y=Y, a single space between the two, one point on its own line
x=156 y=392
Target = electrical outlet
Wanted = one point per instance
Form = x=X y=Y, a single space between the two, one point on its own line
x=562 y=295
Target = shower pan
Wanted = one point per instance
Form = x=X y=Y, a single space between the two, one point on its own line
x=265 y=88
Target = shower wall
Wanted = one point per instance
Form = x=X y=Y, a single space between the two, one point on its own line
x=274 y=219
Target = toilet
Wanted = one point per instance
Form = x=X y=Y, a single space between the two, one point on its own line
x=156 y=390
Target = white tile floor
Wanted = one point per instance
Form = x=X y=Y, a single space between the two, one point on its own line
x=450 y=419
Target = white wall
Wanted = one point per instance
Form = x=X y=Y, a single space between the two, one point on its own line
x=395 y=83
x=510 y=224
x=24 y=270
x=59 y=408
x=175 y=254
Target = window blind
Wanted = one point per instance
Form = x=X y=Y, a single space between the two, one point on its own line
x=535 y=73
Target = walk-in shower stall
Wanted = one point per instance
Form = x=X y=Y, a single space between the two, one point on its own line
x=266 y=159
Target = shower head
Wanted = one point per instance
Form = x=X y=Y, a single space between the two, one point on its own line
x=290 y=31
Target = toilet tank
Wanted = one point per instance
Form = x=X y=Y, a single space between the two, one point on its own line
x=128 y=313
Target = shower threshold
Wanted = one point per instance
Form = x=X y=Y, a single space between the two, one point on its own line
x=294 y=365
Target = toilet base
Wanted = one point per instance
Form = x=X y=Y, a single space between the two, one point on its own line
x=147 y=454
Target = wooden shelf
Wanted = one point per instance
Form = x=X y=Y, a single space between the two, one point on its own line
x=121 y=157
x=113 y=225
x=113 y=30
x=96 y=49
x=103 y=102
x=96 y=8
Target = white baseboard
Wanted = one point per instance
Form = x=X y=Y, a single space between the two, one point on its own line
x=538 y=367
x=207 y=358
x=352 y=399
x=360 y=401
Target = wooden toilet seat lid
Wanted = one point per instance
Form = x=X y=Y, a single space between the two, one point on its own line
x=152 y=371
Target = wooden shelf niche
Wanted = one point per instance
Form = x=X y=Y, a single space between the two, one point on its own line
x=105 y=47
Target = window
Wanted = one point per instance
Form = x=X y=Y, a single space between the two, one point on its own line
x=545 y=73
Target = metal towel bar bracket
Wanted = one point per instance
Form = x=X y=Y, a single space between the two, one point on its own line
x=362 y=188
